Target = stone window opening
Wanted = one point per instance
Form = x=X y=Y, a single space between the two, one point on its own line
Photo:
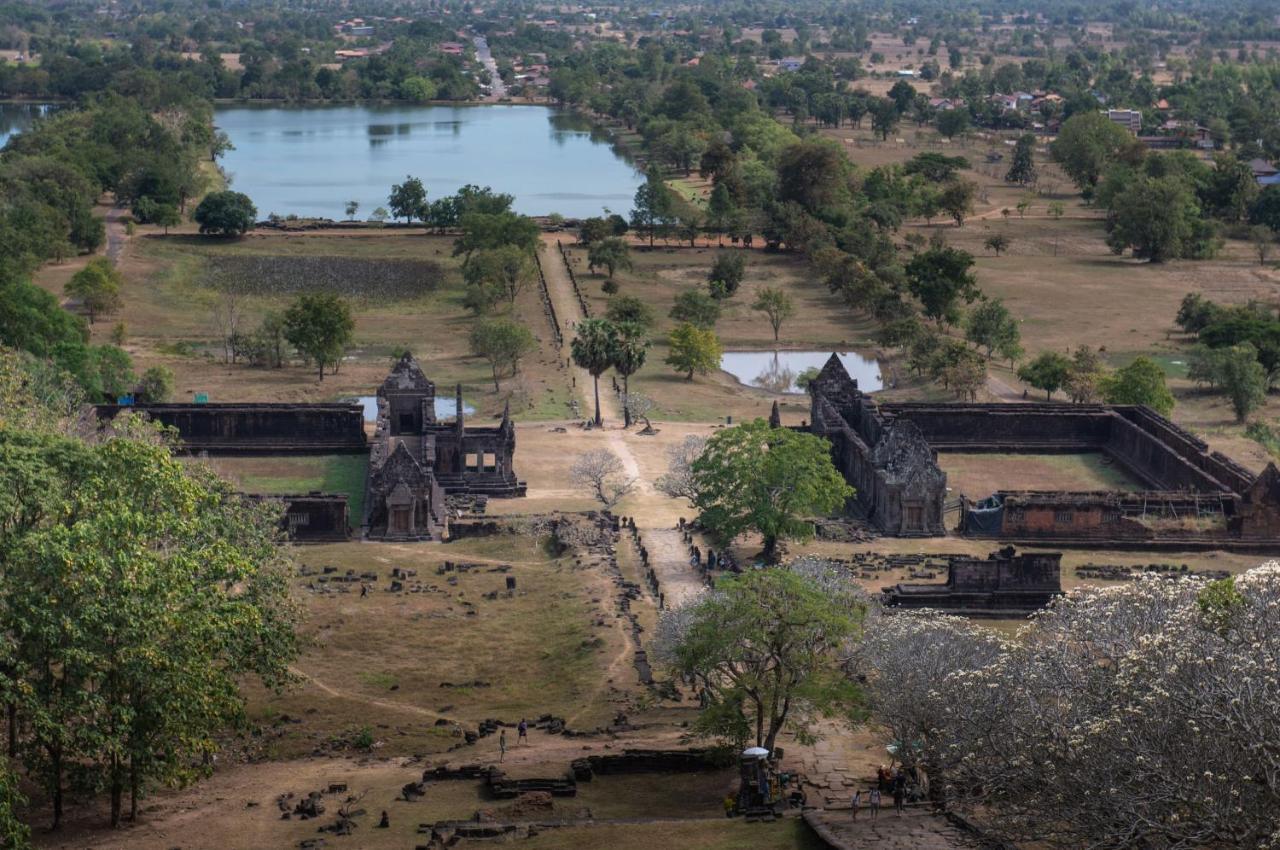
x=1062 y=515
x=472 y=462
x=490 y=462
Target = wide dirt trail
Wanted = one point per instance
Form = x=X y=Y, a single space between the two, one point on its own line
x=668 y=554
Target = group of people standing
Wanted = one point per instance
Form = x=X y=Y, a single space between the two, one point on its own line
x=887 y=781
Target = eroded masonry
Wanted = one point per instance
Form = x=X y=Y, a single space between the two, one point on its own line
x=1193 y=497
x=416 y=460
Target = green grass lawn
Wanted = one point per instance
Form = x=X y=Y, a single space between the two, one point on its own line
x=288 y=474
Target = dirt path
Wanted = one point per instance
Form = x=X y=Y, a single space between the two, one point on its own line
x=668 y=554
x=117 y=237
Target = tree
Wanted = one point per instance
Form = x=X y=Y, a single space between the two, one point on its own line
x=654 y=204
x=408 y=200
x=814 y=173
x=14 y=834
x=594 y=349
x=503 y=343
x=1242 y=378
x=627 y=308
x=1264 y=240
x=763 y=649
x=722 y=211
x=697 y=308
x=602 y=473
x=953 y=122
x=766 y=480
x=996 y=243
x=1022 y=170
x=677 y=481
x=1047 y=372
x=320 y=327
x=96 y=287
x=610 y=254
x=941 y=278
x=1087 y=143
x=884 y=117
x=225 y=214
x=154 y=590
x=775 y=304
x=727 y=272
x=1083 y=384
x=993 y=327
x=166 y=215
x=693 y=349
x=630 y=352
x=156 y=385
x=380 y=216
x=1155 y=216
x=507 y=270
x=1141 y=382
x=956 y=199
x=1266 y=208
x=484 y=230
x=352 y=208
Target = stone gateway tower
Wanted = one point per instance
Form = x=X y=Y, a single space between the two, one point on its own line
x=416 y=460
x=901 y=489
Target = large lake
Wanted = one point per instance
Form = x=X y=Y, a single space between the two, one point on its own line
x=16 y=117
x=309 y=161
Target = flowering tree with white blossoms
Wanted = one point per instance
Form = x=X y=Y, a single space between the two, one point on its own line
x=1146 y=715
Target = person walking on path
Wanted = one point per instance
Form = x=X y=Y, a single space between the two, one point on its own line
x=857 y=801
x=874 y=799
x=899 y=797
x=523 y=729
x=502 y=745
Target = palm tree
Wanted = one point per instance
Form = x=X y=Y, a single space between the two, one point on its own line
x=628 y=357
x=594 y=349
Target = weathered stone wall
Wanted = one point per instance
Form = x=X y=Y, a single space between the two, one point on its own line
x=256 y=428
x=1007 y=427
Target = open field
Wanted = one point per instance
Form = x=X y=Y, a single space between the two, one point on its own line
x=169 y=306
x=299 y=474
x=979 y=475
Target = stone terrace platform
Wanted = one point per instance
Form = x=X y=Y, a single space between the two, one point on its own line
x=917 y=828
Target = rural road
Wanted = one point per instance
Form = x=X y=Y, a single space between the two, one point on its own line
x=483 y=53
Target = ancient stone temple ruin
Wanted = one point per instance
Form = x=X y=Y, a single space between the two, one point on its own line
x=900 y=488
x=1005 y=584
x=1192 y=496
x=416 y=460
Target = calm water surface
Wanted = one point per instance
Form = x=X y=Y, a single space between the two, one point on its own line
x=16 y=117
x=309 y=161
x=446 y=408
x=777 y=371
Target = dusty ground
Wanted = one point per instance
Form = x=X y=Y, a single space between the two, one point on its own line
x=980 y=475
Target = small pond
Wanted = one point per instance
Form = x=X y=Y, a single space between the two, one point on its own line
x=446 y=408
x=777 y=371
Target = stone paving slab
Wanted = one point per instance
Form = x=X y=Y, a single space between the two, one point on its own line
x=917 y=829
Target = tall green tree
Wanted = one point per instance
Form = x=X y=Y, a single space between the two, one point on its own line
x=941 y=279
x=693 y=350
x=697 y=308
x=1048 y=372
x=1022 y=170
x=502 y=342
x=776 y=305
x=654 y=205
x=225 y=214
x=1089 y=142
x=764 y=650
x=1141 y=382
x=149 y=590
x=610 y=254
x=1156 y=217
x=507 y=269
x=96 y=287
x=992 y=326
x=1242 y=378
x=320 y=326
x=771 y=481
x=594 y=349
x=408 y=200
